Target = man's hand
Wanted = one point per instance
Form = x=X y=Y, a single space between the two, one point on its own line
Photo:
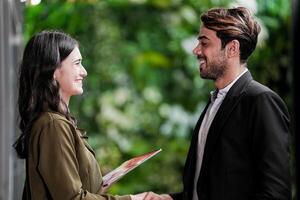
x=150 y=196
x=166 y=197
x=140 y=196
x=154 y=196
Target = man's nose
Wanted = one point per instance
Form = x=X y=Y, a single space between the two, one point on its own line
x=197 y=50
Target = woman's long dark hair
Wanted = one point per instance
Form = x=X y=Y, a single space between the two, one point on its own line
x=43 y=54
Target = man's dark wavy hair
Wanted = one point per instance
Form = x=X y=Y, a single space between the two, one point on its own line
x=233 y=24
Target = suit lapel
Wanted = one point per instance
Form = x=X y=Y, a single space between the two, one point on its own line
x=231 y=100
x=189 y=168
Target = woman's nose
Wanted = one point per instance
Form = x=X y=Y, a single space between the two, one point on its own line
x=83 y=72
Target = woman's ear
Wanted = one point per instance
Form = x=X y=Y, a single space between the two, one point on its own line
x=55 y=74
x=233 y=48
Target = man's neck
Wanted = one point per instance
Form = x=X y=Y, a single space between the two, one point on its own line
x=229 y=76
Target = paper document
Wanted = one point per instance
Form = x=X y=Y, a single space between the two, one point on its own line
x=126 y=167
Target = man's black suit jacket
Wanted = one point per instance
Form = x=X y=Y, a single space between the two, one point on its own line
x=246 y=155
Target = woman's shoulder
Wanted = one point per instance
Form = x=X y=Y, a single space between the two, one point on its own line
x=52 y=126
x=49 y=118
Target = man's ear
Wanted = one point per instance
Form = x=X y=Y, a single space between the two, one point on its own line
x=233 y=48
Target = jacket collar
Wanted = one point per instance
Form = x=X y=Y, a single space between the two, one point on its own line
x=231 y=100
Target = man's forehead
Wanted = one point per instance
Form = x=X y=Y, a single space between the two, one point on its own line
x=205 y=33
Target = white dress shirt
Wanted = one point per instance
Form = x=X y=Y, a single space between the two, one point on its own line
x=217 y=98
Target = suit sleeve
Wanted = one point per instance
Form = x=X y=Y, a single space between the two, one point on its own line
x=270 y=129
x=176 y=196
x=58 y=165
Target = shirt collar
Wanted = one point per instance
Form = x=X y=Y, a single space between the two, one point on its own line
x=222 y=92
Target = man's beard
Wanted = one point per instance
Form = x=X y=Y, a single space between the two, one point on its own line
x=214 y=69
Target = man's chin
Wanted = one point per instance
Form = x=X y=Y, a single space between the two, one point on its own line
x=206 y=76
x=202 y=73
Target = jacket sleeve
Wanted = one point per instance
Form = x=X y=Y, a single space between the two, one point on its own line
x=176 y=196
x=58 y=166
x=270 y=130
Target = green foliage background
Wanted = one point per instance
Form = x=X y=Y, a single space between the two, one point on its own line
x=143 y=90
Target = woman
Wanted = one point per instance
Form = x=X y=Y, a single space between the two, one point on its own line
x=59 y=162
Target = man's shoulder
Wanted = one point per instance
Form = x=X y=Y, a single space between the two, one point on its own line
x=256 y=91
x=255 y=88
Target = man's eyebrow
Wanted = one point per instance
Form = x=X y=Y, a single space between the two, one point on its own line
x=202 y=37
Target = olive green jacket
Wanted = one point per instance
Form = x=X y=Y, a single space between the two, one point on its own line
x=61 y=164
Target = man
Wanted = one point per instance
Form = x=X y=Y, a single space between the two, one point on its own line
x=240 y=147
